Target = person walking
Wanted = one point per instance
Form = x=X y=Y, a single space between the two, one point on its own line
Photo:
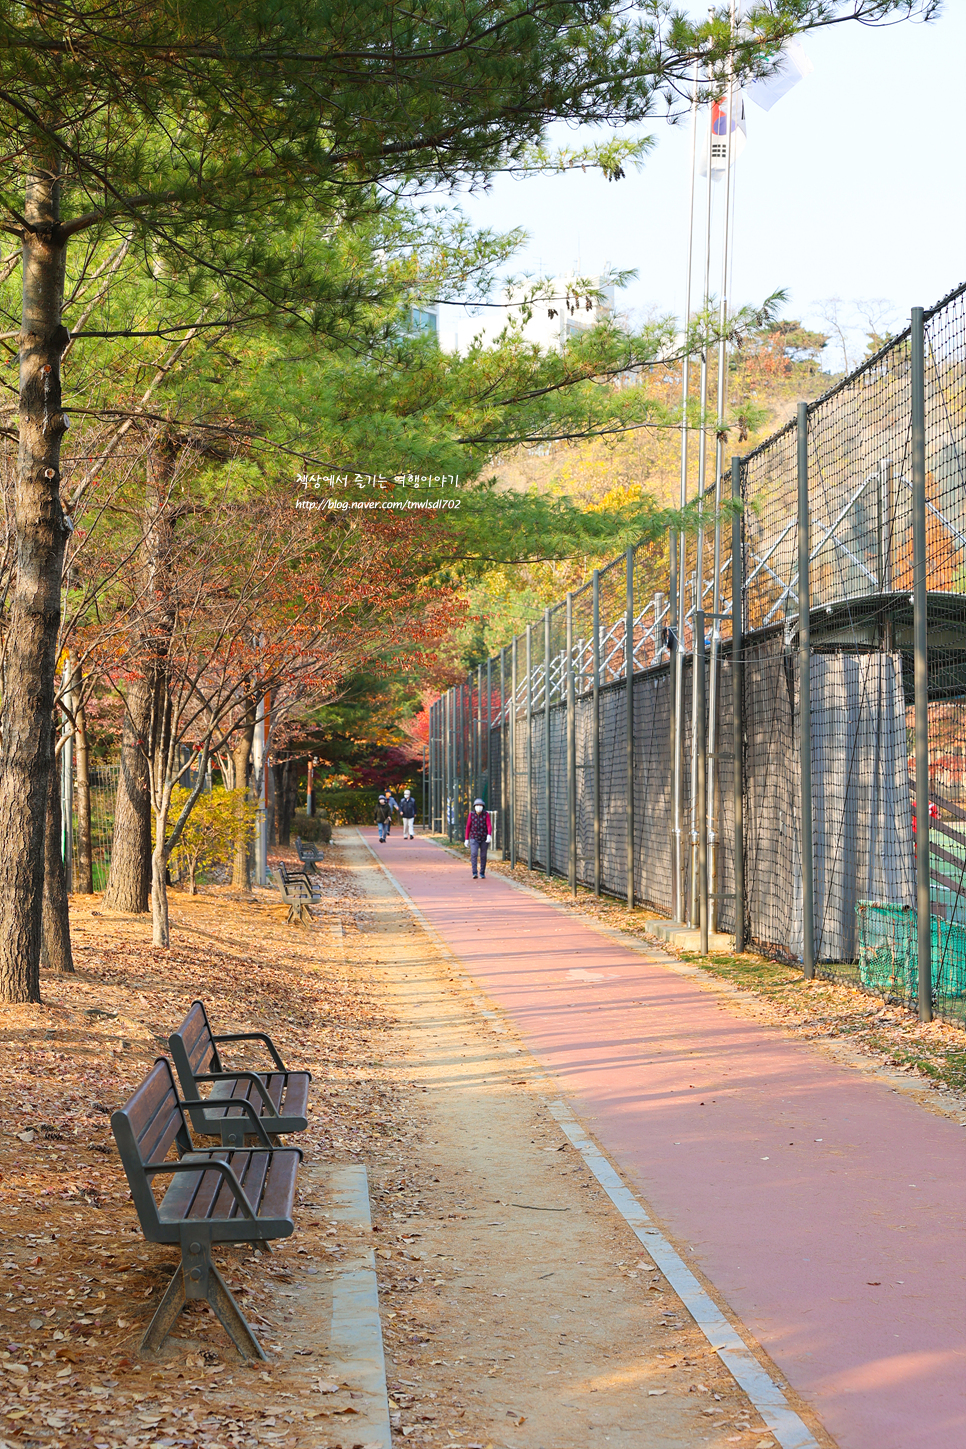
x=478 y=836
x=407 y=810
x=391 y=804
x=383 y=816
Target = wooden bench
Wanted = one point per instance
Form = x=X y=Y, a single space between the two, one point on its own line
x=297 y=893
x=242 y=1104
x=214 y=1196
x=307 y=853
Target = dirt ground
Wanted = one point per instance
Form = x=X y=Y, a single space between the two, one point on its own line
x=517 y=1308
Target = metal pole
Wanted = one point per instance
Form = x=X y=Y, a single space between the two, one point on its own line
x=488 y=793
x=432 y=768
x=737 y=700
x=700 y=750
x=458 y=792
x=513 y=754
x=712 y=731
x=920 y=600
x=571 y=750
x=629 y=727
x=478 y=786
x=678 y=543
x=546 y=739
x=805 y=700
x=529 y=747
x=503 y=750
x=454 y=778
x=675 y=677
x=596 y=729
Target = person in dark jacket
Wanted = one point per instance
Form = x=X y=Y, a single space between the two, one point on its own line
x=478 y=836
x=407 y=809
x=391 y=804
x=383 y=816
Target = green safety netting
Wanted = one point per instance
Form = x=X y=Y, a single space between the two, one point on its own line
x=887 y=952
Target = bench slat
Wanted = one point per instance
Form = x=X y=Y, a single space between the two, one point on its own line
x=278 y=1194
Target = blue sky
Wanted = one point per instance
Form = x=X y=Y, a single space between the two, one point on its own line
x=852 y=186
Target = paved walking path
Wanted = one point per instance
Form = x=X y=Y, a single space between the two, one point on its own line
x=827 y=1209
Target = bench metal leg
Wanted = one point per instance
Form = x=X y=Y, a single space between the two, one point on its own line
x=164 y=1319
x=196 y=1277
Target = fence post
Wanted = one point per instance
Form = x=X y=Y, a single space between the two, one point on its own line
x=629 y=687
x=737 y=700
x=513 y=753
x=701 y=757
x=596 y=729
x=458 y=793
x=920 y=599
x=546 y=739
x=675 y=678
x=478 y=782
x=805 y=699
x=571 y=749
x=529 y=747
x=503 y=751
x=444 y=763
x=489 y=726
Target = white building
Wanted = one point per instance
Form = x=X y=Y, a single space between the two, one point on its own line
x=561 y=311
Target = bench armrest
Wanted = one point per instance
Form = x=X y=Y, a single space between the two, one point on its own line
x=255 y=1036
x=247 y=1110
x=252 y=1077
x=210 y=1164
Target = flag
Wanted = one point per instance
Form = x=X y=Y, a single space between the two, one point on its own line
x=794 y=66
x=719 y=135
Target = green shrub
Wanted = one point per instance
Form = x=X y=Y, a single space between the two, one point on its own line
x=344 y=807
x=316 y=828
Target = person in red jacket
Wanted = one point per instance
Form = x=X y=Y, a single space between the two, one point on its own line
x=478 y=836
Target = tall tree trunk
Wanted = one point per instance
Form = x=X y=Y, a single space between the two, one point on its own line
x=55 y=952
x=27 y=756
x=241 y=870
x=129 y=883
x=160 y=927
x=287 y=798
x=84 y=865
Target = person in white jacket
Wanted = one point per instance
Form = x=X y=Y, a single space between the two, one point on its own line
x=478 y=837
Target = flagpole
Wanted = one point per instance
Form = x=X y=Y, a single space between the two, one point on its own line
x=718 y=472
x=699 y=563
x=681 y=540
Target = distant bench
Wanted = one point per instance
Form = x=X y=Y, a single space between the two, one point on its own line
x=215 y=1196
x=297 y=891
x=307 y=853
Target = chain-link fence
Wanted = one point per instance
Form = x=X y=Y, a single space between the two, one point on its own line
x=619 y=756
x=102 y=796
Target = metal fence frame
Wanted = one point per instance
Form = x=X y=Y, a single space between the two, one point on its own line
x=614 y=737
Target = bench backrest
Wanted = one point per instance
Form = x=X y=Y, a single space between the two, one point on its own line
x=145 y=1130
x=194 y=1049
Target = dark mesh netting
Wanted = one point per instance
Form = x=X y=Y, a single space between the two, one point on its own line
x=571 y=791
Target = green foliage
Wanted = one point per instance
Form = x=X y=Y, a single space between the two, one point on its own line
x=343 y=807
x=219 y=822
x=317 y=828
